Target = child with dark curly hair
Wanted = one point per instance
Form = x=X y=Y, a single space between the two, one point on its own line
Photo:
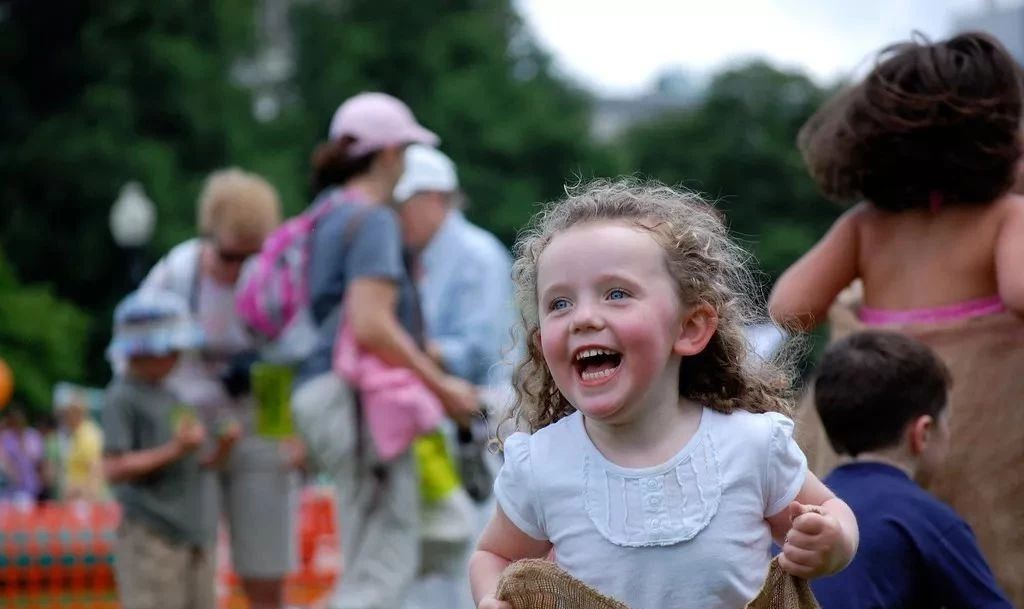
x=930 y=143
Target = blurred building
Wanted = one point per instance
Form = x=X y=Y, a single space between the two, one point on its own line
x=1004 y=22
x=268 y=72
x=673 y=91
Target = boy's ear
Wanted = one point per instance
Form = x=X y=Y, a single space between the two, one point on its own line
x=698 y=327
x=919 y=432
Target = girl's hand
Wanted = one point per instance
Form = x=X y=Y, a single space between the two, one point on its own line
x=460 y=400
x=814 y=545
x=489 y=602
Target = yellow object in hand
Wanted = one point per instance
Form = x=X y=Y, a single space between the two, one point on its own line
x=438 y=475
x=181 y=415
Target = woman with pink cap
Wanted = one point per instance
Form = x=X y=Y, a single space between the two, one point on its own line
x=357 y=271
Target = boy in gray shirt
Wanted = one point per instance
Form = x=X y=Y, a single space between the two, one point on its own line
x=150 y=443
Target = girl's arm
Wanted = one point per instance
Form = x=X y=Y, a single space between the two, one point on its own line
x=802 y=296
x=818 y=532
x=501 y=544
x=1009 y=254
x=369 y=305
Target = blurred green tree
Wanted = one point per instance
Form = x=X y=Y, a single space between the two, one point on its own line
x=41 y=338
x=93 y=95
x=471 y=72
x=96 y=94
x=738 y=147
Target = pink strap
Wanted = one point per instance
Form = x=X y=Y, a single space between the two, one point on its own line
x=961 y=310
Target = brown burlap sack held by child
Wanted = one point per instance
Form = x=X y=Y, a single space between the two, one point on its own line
x=541 y=584
x=983 y=478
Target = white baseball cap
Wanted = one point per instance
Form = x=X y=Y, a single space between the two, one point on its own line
x=426 y=170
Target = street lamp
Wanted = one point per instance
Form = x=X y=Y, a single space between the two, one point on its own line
x=132 y=221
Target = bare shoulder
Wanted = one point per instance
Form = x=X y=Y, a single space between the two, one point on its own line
x=1011 y=204
x=857 y=217
x=860 y=211
x=1008 y=212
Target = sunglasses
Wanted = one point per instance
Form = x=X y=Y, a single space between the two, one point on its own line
x=233 y=257
x=230 y=257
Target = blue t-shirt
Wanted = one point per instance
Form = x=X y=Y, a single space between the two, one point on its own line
x=915 y=551
x=374 y=251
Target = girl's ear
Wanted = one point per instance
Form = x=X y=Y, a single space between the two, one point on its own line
x=698 y=326
x=537 y=342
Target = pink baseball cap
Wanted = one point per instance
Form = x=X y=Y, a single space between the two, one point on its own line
x=377 y=121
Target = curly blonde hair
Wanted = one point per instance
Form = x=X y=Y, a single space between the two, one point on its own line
x=708 y=267
x=240 y=203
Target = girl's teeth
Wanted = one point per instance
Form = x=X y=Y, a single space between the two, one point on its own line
x=593 y=376
x=593 y=352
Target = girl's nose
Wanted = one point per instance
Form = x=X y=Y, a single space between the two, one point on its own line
x=585 y=319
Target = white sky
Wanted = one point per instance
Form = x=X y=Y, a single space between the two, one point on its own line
x=618 y=46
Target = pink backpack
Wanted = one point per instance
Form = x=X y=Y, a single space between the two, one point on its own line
x=272 y=296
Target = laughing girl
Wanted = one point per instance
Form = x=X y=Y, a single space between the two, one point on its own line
x=660 y=465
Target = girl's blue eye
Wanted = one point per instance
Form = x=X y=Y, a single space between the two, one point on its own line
x=617 y=294
x=558 y=304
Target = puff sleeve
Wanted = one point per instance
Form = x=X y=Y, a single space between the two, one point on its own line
x=785 y=465
x=514 y=488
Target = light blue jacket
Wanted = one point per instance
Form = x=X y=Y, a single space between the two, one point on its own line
x=467 y=299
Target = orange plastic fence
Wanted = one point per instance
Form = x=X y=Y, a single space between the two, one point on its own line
x=62 y=555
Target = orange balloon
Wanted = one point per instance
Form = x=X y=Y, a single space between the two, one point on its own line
x=6 y=383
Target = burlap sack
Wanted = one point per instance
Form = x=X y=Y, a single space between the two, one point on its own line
x=983 y=479
x=541 y=584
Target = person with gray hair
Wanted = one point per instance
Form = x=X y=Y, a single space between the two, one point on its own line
x=463 y=274
x=253 y=480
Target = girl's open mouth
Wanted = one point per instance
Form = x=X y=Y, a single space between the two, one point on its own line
x=596 y=363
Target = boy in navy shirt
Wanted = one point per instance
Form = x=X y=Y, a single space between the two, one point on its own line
x=882 y=399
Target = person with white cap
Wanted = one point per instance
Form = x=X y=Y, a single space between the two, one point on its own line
x=466 y=280
x=357 y=271
x=465 y=286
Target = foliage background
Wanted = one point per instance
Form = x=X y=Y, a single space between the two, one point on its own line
x=95 y=94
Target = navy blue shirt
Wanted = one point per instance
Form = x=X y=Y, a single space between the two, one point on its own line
x=915 y=551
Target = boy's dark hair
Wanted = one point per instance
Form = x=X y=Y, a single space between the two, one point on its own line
x=869 y=385
x=932 y=123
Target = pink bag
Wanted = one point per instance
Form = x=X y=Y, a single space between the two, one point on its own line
x=272 y=295
x=397 y=406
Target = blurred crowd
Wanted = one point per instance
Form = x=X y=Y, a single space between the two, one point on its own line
x=52 y=458
x=368 y=342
